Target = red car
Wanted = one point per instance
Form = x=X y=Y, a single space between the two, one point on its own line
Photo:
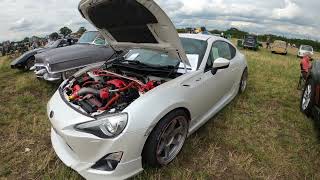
x=310 y=98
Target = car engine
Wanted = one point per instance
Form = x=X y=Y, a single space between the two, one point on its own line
x=101 y=91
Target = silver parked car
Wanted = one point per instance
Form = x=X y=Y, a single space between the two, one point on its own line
x=109 y=121
x=61 y=63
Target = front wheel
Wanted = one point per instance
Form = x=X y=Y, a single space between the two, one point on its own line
x=166 y=140
x=30 y=63
x=307 y=98
x=243 y=81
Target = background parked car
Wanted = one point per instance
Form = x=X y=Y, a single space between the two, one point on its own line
x=279 y=47
x=304 y=49
x=310 y=99
x=61 y=63
x=27 y=60
x=251 y=42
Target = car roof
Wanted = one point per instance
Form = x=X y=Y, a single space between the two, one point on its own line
x=306 y=46
x=203 y=37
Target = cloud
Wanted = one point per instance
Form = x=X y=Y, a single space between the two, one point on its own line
x=290 y=11
x=21 y=25
x=294 y=18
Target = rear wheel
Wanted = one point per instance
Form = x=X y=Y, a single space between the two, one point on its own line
x=244 y=81
x=307 y=98
x=166 y=140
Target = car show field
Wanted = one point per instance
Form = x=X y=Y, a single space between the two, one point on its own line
x=261 y=134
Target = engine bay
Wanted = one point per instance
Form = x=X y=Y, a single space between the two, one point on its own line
x=108 y=91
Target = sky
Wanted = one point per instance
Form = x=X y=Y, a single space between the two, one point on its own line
x=291 y=18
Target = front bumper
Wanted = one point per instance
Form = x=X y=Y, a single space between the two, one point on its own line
x=249 y=45
x=81 y=151
x=124 y=170
x=42 y=73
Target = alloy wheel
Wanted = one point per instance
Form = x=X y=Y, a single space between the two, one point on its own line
x=306 y=97
x=244 y=82
x=172 y=140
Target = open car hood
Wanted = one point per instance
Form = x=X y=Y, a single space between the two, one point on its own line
x=134 y=24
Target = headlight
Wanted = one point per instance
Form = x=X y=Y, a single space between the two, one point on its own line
x=105 y=127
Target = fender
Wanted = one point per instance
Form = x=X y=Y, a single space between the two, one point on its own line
x=315 y=72
x=20 y=61
x=315 y=75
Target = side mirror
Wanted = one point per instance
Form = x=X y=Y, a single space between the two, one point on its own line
x=220 y=63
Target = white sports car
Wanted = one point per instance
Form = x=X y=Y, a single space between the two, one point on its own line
x=111 y=120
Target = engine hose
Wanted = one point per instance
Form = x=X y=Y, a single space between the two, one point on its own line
x=89 y=83
x=85 y=91
x=110 y=103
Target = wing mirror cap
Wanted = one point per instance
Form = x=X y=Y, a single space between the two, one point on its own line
x=220 y=63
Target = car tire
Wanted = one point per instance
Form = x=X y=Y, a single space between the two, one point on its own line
x=308 y=98
x=30 y=62
x=243 y=81
x=166 y=140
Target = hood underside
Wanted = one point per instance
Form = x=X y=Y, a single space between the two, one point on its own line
x=134 y=24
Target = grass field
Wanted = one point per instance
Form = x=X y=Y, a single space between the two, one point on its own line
x=260 y=135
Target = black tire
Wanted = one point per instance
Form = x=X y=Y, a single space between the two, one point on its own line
x=149 y=153
x=30 y=62
x=244 y=79
x=305 y=107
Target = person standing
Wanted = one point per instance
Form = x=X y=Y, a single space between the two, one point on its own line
x=268 y=42
x=306 y=65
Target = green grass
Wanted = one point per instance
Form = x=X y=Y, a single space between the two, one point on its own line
x=260 y=135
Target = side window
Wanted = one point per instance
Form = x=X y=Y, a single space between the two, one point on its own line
x=220 y=49
x=223 y=49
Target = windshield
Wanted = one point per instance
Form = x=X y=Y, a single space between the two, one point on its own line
x=191 y=47
x=280 y=43
x=194 y=46
x=52 y=44
x=306 y=48
x=88 y=37
x=249 y=37
x=151 y=57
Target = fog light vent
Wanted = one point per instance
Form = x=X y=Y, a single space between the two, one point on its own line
x=109 y=162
